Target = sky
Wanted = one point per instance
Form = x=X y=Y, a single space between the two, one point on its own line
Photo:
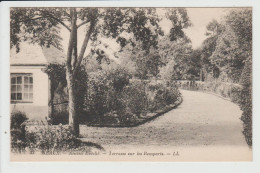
x=199 y=18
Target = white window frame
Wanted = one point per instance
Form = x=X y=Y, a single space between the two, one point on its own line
x=25 y=88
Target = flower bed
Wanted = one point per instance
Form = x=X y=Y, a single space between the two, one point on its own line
x=42 y=138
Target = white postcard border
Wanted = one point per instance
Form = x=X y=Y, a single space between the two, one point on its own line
x=238 y=167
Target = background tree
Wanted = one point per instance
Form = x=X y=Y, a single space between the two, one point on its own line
x=234 y=44
x=180 y=20
x=228 y=45
x=134 y=58
x=214 y=29
x=175 y=47
x=193 y=65
x=149 y=62
x=176 y=56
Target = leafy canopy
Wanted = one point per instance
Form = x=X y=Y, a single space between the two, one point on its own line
x=42 y=25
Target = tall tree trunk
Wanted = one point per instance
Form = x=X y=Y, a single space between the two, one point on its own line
x=73 y=114
x=73 y=119
x=73 y=66
x=51 y=98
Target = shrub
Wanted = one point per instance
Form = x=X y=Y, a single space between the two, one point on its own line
x=17 y=118
x=161 y=95
x=60 y=118
x=104 y=91
x=97 y=95
x=246 y=101
x=235 y=94
x=49 y=139
x=118 y=78
x=17 y=131
x=156 y=99
x=135 y=98
x=17 y=141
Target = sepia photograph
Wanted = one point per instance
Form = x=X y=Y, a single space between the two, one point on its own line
x=161 y=84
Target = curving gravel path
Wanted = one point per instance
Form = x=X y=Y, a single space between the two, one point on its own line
x=201 y=120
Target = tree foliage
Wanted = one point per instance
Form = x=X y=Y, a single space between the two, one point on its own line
x=180 y=20
x=176 y=57
x=229 y=44
x=43 y=25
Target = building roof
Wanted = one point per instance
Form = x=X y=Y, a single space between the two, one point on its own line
x=35 y=55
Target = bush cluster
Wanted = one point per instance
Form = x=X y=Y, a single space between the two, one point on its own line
x=114 y=98
x=50 y=139
x=103 y=91
x=161 y=95
x=40 y=137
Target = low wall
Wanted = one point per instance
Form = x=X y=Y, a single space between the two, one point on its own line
x=32 y=112
x=224 y=89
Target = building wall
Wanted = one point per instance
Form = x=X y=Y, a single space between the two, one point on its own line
x=38 y=109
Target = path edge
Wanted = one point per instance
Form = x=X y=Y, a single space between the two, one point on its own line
x=151 y=118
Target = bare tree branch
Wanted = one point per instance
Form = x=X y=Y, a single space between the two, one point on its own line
x=44 y=16
x=83 y=23
x=72 y=34
x=58 y=20
x=85 y=43
x=26 y=20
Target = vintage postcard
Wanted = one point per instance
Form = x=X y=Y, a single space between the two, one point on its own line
x=162 y=84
